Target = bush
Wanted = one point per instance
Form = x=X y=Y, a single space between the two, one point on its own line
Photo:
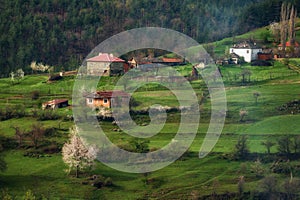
x=51 y=149
x=99 y=181
x=50 y=132
x=261 y=63
x=48 y=115
x=55 y=77
x=35 y=95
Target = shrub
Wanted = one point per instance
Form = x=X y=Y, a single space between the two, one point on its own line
x=55 y=77
x=35 y=95
x=48 y=115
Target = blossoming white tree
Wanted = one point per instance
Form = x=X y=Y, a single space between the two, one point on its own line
x=76 y=155
x=39 y=67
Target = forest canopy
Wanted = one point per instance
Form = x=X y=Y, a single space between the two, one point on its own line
x=61 y=33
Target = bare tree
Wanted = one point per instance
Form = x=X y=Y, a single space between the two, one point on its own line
x=19 y=135
x=269 y=185
x=296 y=144
x=3 y=165
x=256 y=95
x=284 y=145
x=245 y=73
x=285 y=13
x=292 y=33
x=241 y=148
x=36 y=134
x=241 y=186
x=268 y=144
x=243 y=113
x=76 y=155
x=287 y=28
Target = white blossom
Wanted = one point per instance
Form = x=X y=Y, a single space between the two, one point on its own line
x=76 y=155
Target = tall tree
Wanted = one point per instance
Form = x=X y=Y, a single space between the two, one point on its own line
x=293 y=17
x=284 y=16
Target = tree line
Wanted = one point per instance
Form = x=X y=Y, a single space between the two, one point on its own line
x=62 y=33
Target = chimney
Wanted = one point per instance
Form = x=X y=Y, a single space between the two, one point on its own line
x=100 y=54
x=111 y=55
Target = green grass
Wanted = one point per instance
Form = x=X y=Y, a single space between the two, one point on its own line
x=45 y=176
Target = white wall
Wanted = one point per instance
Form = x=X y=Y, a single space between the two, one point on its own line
x=248 y=54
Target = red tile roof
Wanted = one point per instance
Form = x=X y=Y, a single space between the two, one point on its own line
x=107 y=94
x=288 y=44
x=172 y=60
x=105 y=57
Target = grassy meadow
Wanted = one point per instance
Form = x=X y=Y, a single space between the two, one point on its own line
x=187 y=178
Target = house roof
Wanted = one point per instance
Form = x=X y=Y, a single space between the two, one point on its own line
x=132 y=61
x=105 y=57
x=288 y=44
x=234 y=55
x=246 y=45
x=55 y=101
x=172 y=60
x=107 y=94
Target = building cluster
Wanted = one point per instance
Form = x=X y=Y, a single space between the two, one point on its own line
x=249 y=51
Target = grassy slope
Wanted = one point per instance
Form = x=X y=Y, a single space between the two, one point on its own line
x=46 y=176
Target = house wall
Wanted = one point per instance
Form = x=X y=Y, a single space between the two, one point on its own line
x=98 y=103
x=265 y=57
x=104 y=68
x=248 y=54
x=254 y=54
x=98 y=68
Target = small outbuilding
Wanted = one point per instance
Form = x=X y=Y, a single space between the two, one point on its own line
x=54 y=104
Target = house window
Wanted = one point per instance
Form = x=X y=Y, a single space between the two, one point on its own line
x=90 y=101
x=105 y=101
x=247 y=51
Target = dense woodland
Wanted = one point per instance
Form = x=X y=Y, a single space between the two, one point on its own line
x=61 y=33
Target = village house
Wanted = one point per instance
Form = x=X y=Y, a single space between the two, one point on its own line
x=234 y=58
x=291 y=50
x=106 y=99
x=265 y=55
x=54 y=104
x=247 y=50
x=105 y=65
x=289 y=45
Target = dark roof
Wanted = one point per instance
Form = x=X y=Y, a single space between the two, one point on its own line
x=234 y=55
x=107 y=94
x=55 y=101
x=246 y=45
x=105 y=57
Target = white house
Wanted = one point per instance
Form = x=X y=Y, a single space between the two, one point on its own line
x=249 y=51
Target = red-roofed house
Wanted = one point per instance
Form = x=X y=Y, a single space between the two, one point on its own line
x=288 y=44
x=106 y=98
x=105 y=65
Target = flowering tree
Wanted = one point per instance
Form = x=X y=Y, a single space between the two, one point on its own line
x=76 y=155
x=39 y=67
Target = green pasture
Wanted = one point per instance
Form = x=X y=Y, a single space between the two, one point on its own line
x=45 y=176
